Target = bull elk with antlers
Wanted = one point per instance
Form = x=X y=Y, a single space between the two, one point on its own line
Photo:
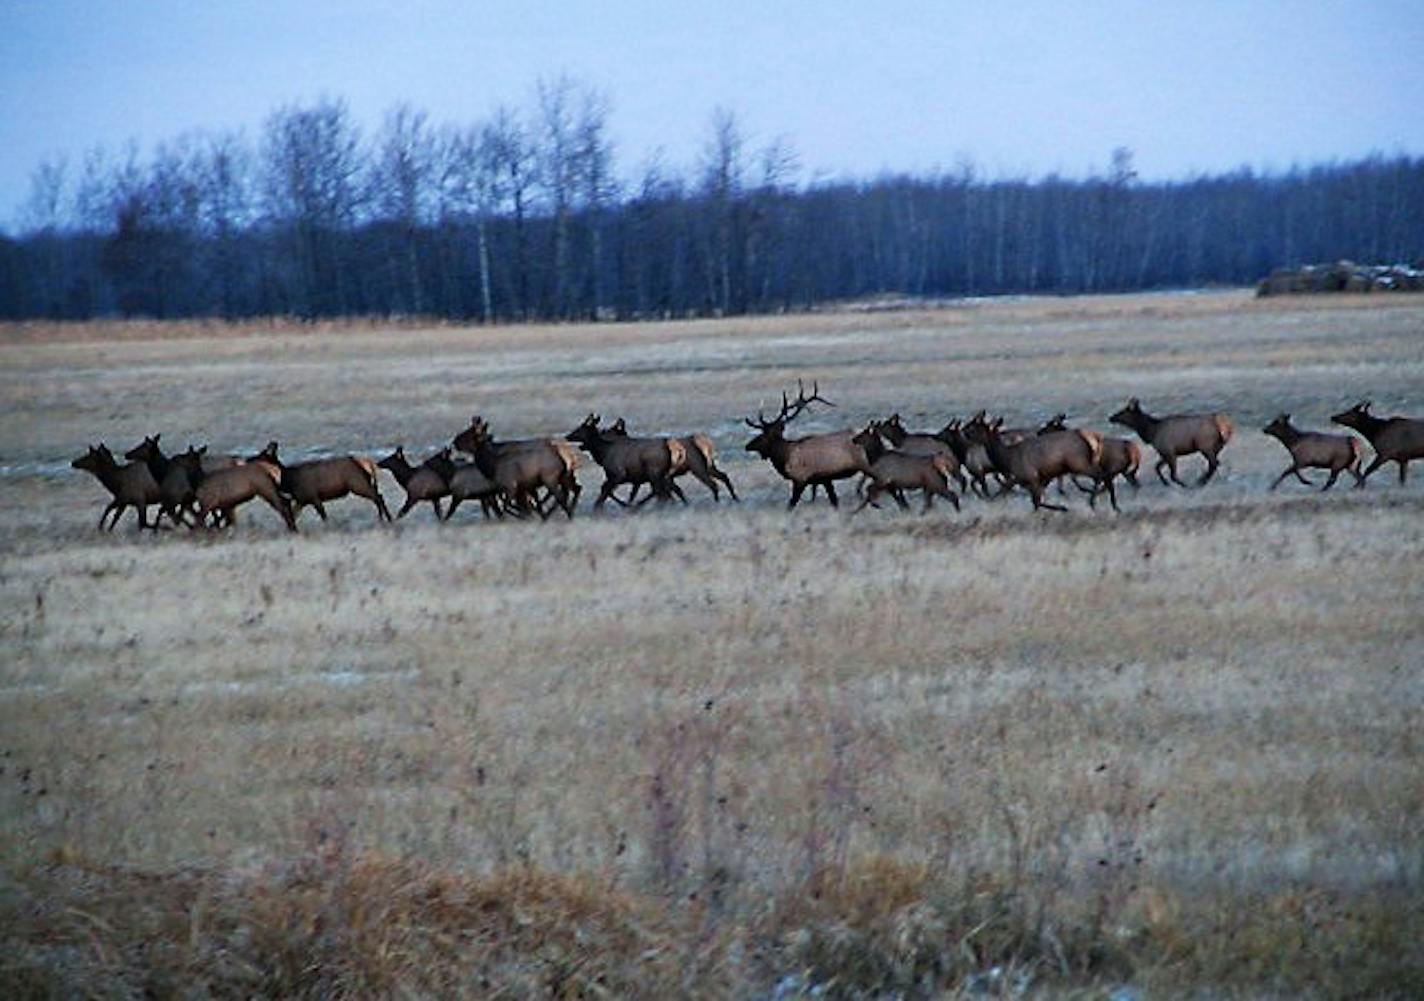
x=816 y=460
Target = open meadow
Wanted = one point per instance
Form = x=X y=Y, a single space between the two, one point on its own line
x=720 y=750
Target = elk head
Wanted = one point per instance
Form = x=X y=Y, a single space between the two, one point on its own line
x=1356 y=417
x=1279 y=427
x=145 y=450
x=586 y=432
x=1129 y=414
x=469 y=439
x=771 y=431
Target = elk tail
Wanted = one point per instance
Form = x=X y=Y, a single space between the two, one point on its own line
x=677 y=452
x=704 y=445
x=1224 y=427
x=368 y=467
x=1095 y=446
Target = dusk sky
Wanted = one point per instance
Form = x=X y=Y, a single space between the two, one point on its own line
x=857 y=88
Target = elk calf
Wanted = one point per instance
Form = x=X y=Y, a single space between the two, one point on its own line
x=1036 y=461
x=893 y=471
x=1316 y=450
x=1121 y=457
x=634 y=461
x=1394 y=439
x=1179 y=435
x=420 y=483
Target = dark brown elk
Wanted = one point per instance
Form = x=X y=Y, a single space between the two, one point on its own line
x=130 y=485
x=467 y=482
x=1036 y=461
x=913 y=443
x=222 y=492
x=1121 y=457
x=1316 y=450
x=892 y=471
x=632 y=461
x=311 y=484
x=177 y=486
x=1394 y=439
x=818 y=459
x=700 y=460
x=426 y=482
x=973 y=457
x=521 y=469
x=1178 y=435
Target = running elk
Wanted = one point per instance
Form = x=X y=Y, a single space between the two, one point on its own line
x=894 y=471
x=1121 y=457
x=177 y=484
x=819 y=459
x=222 y=492
x=1178 y=435
x=313 y=483
x=520 y=469
x=1036 y=461
x=700 y=460
x=634 y=461
x=1316 y=450
x=130 y=485
x=1394 y=439
x=420 y=483
x=913 y=443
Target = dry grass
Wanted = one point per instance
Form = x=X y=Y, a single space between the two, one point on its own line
x=707 y=752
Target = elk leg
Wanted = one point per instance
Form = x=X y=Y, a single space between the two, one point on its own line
x=1281 y=478
x=454 y=503
x=726 y=481
x=1112 y=495
x=1403 y=470
x=1334 y=475
x=1131 y=477
x=831 y=494
x=676 y=491
x=1211 y=464
x=796 y=487
x=410 y=502
x=109 y=507
x=1160 y=475
x=1379 y=461
x=435 y=503
x=317 y=506
x=1036 y=492
x=1172 y=465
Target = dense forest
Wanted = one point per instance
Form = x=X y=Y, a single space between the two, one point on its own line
x=526 y=215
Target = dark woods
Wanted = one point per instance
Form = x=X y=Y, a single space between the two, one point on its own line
x=524 y=216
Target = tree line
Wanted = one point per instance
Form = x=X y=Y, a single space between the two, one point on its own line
x=525 y=215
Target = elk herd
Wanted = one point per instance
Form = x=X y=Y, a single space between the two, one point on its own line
x=531 y=477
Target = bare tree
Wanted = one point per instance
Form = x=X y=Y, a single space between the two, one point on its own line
x=312 y=170
x=400 y=185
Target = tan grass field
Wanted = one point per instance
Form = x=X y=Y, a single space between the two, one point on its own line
x=716 y=751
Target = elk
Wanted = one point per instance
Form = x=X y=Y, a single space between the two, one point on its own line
x=1316 y=450
x=1394 y=439
x=1121 y=457
x=520 y=469
x=468 y=483
x=700 y=460
x=426 y=482
x=893 y=472
x=1178 y=435
x=912 y=443
x=220 y=493
x=313 y=483
x=972 y=456
x=130 y=486
x=819 y=459
x=634 y=461
x=1036 y=461
x=177 y=484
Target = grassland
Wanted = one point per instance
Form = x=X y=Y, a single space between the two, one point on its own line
x=722 y=750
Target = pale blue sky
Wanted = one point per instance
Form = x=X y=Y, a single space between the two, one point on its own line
x=1027 y=87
